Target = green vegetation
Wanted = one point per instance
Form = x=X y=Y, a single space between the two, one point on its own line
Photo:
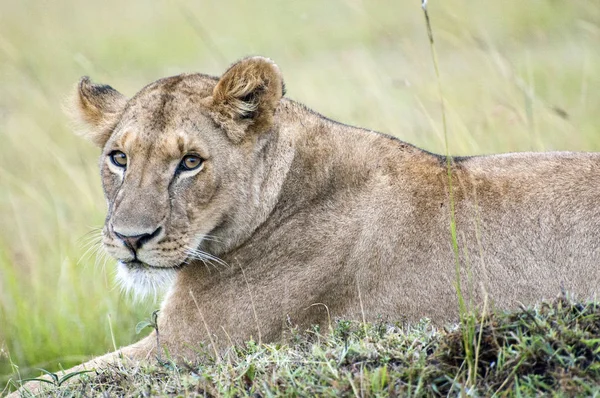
x=553 y=349
x=515 y=75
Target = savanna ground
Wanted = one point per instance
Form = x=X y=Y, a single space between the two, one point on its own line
x=516 y=76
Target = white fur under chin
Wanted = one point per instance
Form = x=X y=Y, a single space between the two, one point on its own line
x=144 y=282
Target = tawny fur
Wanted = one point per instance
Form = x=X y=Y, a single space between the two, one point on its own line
x=305 y=211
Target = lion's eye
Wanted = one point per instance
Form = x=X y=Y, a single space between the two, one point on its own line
x=118 y=158
x=190 y=162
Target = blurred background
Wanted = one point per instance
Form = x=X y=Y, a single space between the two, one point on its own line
x=516 y=76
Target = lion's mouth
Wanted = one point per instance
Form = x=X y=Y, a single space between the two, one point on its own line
x=139 y=265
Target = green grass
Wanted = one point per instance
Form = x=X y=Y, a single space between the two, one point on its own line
x=550 y=349
x=516 y=76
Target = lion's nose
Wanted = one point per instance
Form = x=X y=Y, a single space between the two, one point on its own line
x=135 y=242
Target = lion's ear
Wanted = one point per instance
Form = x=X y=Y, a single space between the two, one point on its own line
x=245 y=98
x=98 y=108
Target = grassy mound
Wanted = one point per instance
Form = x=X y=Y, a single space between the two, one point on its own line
x=550 y=349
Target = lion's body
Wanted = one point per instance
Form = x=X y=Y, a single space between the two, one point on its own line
x=317 y=220
x=362 y=226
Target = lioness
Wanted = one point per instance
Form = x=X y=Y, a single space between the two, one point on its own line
x=261 y=210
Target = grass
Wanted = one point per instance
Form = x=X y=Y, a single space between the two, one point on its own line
x=516 y=76
x=550 y=349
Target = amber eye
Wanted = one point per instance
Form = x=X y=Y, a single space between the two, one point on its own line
x=190 y=162
x=118 y=158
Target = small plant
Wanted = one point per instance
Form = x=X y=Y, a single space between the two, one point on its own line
x=55 y=380
x=152 y=322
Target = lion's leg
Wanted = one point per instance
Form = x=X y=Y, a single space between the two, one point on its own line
x=140 y=351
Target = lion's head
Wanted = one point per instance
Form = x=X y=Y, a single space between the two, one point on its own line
x=177 y=163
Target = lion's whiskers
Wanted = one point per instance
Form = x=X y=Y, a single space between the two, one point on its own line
x=203 y=256
x=91 y=243
x=91 y=234
x=141 y=284
x=201 y=237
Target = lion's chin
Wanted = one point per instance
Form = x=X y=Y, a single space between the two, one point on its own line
x=142 y=281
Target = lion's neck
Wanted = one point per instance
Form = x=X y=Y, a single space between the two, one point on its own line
x=326 y=159
x=308 y=160
x=273 y=160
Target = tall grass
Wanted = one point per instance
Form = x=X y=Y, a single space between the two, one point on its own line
x=516 y=76
x=466 y=317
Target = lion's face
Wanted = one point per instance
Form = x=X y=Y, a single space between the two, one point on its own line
x=166 y=185
x=176 y=163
